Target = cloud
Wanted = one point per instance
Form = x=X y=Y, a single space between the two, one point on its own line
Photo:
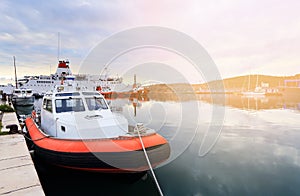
x=29 y=31
x=238 y=35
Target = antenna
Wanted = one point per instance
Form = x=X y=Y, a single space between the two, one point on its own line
x=58 y=45
x=15 y=71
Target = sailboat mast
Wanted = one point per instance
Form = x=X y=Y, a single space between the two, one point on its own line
x=249 y=82
x=16 y=81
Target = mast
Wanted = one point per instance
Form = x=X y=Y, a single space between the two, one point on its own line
x=134 y=81
x=58 y=45
x=16 y=81
x=249 y=82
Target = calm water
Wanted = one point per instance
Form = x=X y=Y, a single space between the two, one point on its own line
x=256 y=153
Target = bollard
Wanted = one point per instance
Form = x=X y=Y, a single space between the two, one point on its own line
x=13 y=128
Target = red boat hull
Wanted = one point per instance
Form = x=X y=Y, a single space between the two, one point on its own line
x=123 y=154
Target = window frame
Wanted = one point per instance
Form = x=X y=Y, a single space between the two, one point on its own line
x=64 y=107
x=90 y=106
x=47 y=105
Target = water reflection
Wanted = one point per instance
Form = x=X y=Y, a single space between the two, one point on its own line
x=256 y=103
x=241 y=164
x=234 y=100
x=258 y=152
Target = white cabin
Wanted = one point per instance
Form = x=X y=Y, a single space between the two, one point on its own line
x=80 y=114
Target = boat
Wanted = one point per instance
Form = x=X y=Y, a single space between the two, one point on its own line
x=257 y=92
x=77 y=130
x=22 y=97
x=105 y=91
x=43 y=83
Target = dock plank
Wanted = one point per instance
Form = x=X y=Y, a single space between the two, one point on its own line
x=17 y=171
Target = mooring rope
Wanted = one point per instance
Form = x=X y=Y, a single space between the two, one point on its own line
x=46 y=136
x=150 y=166
x=35 y=139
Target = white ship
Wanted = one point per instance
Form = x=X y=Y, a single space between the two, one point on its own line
x=258 y=91
x=41 y=84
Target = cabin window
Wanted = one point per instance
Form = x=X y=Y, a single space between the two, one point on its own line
x=47 y=105
x=69 y=105
x=96 y=103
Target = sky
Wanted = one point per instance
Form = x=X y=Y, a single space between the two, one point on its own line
x=242 y=37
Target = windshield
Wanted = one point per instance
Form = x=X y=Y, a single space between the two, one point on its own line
x=96 y=103
x=68 y=105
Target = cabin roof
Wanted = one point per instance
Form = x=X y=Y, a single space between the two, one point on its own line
x=73 y=94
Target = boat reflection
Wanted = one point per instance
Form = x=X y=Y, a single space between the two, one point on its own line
x=232 y=100
x=256 y=103
x=137 y=99
x=134 y=99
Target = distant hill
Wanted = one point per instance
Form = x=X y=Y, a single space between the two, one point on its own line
x=241 y=82
x=185 y=91
x=235 y=84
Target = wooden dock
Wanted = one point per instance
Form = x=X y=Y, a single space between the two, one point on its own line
x=17 y=171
